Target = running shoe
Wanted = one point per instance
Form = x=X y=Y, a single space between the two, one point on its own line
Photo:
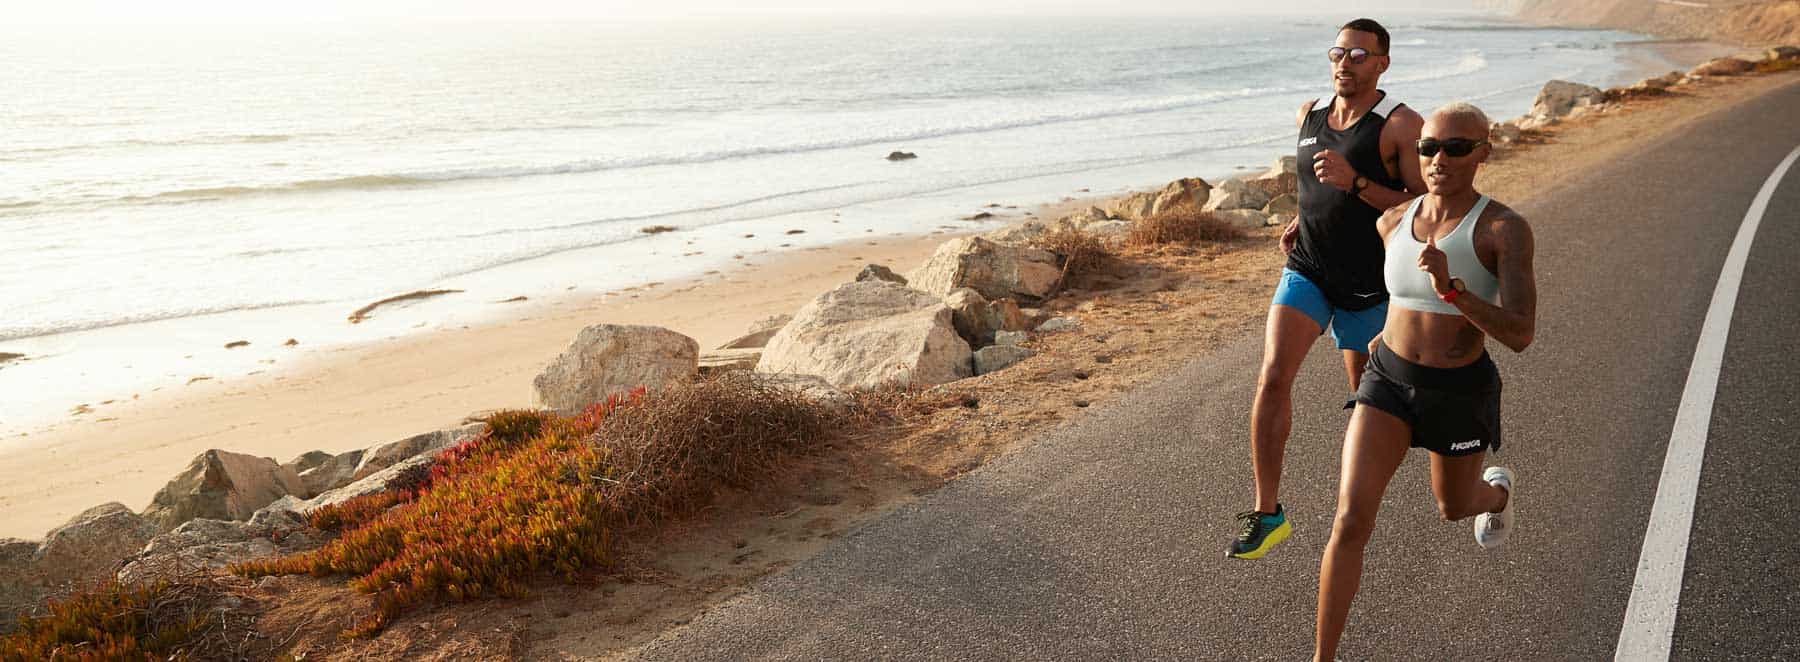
x=1259 y=533
x=1491 y=529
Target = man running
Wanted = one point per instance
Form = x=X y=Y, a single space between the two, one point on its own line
x=1358 y=156
x=1459 y=268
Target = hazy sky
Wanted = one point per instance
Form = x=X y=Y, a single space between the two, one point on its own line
x=187 y=11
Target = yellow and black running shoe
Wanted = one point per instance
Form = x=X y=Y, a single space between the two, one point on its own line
x=1259 y=533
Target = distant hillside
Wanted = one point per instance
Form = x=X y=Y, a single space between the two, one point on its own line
x=1750 y=23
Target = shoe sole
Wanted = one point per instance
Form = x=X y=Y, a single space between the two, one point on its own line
x=1511 y=482
x=1269 y=542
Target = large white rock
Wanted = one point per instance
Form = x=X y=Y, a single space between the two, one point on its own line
x=1182 y=192
x=21 y=593
x=335 y=472
x=1725 y=66
x=1237 y=194
x=1133 y=207
x=764 y=329
x=613 y=358
x=969 y=314
x=997 y=271
x=1559 y=97
x=869 y=333
x=221 y=485
x=382 y=456
x=1021 y=234
x=1249 y=219
x=89 y=547
x=1082 y=218
x=999 y=357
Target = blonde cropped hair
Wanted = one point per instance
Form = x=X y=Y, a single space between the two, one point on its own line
x=1463 y=111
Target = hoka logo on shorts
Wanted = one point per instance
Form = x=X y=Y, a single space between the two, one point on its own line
x=1465 y=445
x=1309 y=141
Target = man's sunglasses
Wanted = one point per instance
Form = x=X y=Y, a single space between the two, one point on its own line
x=1454 y=147
x=1356 y=55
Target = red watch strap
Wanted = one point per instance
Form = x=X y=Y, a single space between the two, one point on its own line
x=1450 y=297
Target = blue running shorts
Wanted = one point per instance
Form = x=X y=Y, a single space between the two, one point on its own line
x=1352 y=329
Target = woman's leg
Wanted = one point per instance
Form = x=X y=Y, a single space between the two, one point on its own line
x=1374 y=446
x=1460 y=491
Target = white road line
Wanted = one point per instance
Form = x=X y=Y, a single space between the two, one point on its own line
x=1656 y=592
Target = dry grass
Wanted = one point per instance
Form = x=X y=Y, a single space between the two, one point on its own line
x=537 y=494
x=1185 y=225
x=166 y=620
x=1776 y=66
x=1081 y=253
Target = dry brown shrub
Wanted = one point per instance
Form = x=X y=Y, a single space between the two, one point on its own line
x=1776 y=66
x=1185 y=224
x=672 y=451
x=1081 y=253
x=894 y=404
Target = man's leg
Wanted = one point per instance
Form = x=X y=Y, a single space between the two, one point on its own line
x=1354 y=362
x=1354 y=330
x=1374 y=447
x=1289 y=334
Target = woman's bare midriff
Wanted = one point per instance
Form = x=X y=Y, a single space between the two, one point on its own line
x=1432 y=339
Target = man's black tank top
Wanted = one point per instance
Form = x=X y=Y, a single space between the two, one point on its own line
x=1339 y=248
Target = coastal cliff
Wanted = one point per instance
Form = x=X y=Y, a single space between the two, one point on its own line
x=1753 y=23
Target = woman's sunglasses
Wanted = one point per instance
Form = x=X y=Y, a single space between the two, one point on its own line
x=1356 y=55
x=1429 y=147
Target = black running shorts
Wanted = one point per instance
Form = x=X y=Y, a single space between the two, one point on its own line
x=1452 y=411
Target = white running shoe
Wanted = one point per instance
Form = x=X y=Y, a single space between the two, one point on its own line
x=1491 y=529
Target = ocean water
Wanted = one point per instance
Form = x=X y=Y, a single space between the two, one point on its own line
x=164 y=191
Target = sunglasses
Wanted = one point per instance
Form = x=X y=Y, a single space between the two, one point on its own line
x=1356 y=55
x=1429 y=147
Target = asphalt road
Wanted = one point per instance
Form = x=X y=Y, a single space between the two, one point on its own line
x=1104 y=539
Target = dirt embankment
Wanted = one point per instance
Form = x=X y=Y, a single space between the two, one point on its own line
x=1752 y=23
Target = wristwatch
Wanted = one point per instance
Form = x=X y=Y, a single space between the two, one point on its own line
x=1357 y=187
x=1457 y=288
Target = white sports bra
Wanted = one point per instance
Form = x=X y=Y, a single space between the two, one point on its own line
x=1410 y=288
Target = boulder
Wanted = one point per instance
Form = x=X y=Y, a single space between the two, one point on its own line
x=1504 y=133
x=997 y=271
x=382 y=456
x=811 y=386
x=1021 y=234
x=765 y=328
x=1783 y=53
x=332 y=473
x=1005 y=315
x=1248 y=219
x=1283 y=205
x=307 y=460
x=873 y=272
x=370 y=484
x=90 y=546
x=1010 y=337
x=1059 y=324
x=999 y=357
x=221 y=485
x=20 y=592
x=721 y=360
x=1285 y=164
x=1276 y=185
x=1560 y=96
x=1182 y=192
x=870 y=333
x=969 y=314
x=1237 y=194
x=1109 y=230
x=1083 y=218
x=209 y=544
x=1725 y=66
x=1133 y=207
x=614 y=358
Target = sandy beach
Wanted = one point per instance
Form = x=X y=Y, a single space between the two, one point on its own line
x=346 y=398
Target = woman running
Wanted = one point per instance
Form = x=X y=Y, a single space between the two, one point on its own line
x=1458 y=270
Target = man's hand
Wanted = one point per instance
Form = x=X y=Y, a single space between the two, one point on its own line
x=1290 y=236
x=1332 y=169
x=1373 y=342
x=1433 y=261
